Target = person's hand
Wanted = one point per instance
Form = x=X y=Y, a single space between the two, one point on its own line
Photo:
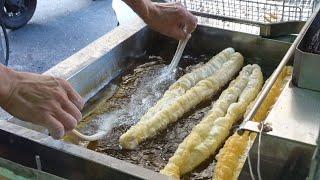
x=171 y=19
x=43 y=100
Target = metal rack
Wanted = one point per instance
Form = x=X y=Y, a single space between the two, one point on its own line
x=229 y=25
x=272 y=16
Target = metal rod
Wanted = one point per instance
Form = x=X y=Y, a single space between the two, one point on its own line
x=254 y=10
x=277 y=72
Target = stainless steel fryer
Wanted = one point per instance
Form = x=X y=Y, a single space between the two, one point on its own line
x=96 y=65
x=307 y=58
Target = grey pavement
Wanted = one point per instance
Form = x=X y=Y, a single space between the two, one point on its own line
x=58 y=29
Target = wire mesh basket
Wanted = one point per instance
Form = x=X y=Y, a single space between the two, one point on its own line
x=260 y=12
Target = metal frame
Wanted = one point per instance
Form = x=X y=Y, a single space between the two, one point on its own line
x=275 y=75
x=21 y=145
x=254 y=10
x=290 y=14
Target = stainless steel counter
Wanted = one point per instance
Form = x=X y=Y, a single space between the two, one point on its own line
x=296 y=115
x=286 y=151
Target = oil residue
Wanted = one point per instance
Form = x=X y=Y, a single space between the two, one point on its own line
x=137 y=91
x=314 y=46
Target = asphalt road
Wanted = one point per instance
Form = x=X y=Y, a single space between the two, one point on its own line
x=58 y=29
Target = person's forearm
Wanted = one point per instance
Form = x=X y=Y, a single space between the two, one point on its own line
x=143 y=8
x=170 y=19
x=5 y=82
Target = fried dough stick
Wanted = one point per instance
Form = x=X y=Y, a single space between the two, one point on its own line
x=210 y=133
x=232 y=156
x=169 y=110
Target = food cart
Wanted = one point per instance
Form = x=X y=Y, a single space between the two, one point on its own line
x=265 y=32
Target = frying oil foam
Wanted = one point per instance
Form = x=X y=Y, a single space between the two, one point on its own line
x=149 y=90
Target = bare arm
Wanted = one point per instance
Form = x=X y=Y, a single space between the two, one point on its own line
x=5 y=82
x=43 y=100
x=167 y=18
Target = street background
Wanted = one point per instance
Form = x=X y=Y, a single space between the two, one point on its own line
x=58 y=29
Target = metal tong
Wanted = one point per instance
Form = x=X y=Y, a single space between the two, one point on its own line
x=177 y=56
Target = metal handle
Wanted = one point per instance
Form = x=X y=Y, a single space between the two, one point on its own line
x=95 y=137
x=277 y=72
